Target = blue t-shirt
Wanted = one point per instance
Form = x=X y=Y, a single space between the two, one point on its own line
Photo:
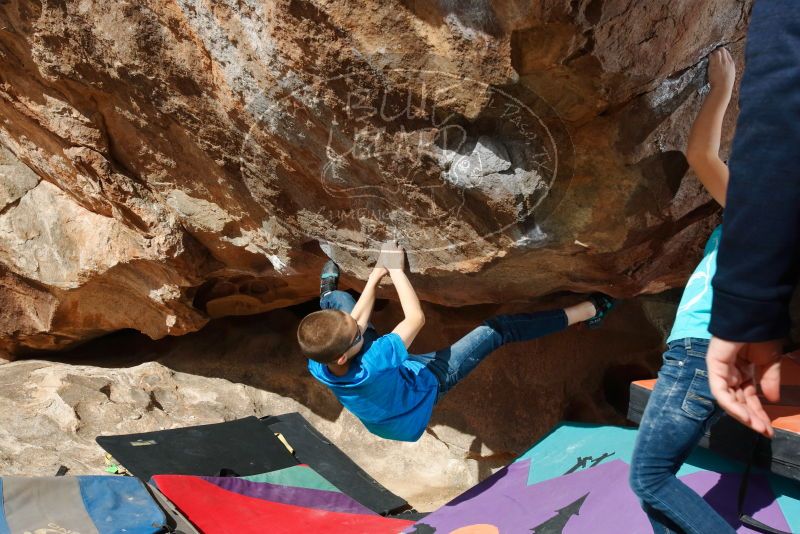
x=392 y=395
x=694 y=311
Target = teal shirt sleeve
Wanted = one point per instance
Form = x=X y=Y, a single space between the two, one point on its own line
x=387 y=352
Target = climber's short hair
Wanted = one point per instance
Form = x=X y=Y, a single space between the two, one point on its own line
x=325 y=335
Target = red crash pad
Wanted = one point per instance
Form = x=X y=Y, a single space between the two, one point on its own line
x=217 y=511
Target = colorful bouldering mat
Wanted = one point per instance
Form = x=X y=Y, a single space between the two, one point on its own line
x=575 y=480
x=780 y=455
x=333 y=501
x=244 y=446
x=571 y=447
x=82 y=504
x=301 y=476
x=215 y=510
x=298 y=485
x=317 y=451
x=248 y=448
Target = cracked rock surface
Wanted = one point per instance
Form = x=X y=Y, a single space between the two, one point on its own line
x=171 y=161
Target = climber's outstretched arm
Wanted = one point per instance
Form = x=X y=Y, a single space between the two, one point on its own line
x=391 y=256
x=362 y=311
x=702 y=151
x=414 y=318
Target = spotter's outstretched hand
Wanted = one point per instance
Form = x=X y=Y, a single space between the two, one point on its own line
x=735 y=370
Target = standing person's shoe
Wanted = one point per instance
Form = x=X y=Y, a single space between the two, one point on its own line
x=328 y=278
x=603 y=304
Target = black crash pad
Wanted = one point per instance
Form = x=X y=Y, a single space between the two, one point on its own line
x=244 y=446
x=314 y=449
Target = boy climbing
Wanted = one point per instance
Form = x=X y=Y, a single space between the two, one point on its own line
x=681 y=407
x=391 y=391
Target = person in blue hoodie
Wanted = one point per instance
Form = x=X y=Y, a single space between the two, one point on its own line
x=391 y=391
x=759 y=254
x=681 y=407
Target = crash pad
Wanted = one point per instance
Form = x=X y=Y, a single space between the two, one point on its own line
x=576 y=478
x=314 y=449
x=175 y=519
x=245 y=446
x=301 y=476
x=570 y=447
x=596 y=500
x=83 y=504
x=333 y=501
x=215 y=510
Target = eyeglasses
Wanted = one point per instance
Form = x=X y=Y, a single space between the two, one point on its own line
x=355 y=339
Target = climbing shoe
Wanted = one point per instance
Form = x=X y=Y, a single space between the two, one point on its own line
x=603 y=304
x=328 y=278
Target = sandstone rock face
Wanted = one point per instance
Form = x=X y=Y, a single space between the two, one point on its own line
x=62 y=408
x=51 y=411
x=199 y=159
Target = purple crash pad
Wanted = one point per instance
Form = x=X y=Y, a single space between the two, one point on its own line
x=333 y=501
x=721 y=491
x=596 y=500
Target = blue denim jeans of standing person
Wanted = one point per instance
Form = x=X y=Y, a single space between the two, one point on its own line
x=452 y=364
x=679 y=412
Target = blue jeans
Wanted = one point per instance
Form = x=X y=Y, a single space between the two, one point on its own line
x=452 y=364
x=677 y=415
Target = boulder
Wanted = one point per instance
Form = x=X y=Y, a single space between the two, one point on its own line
x=189 y=160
